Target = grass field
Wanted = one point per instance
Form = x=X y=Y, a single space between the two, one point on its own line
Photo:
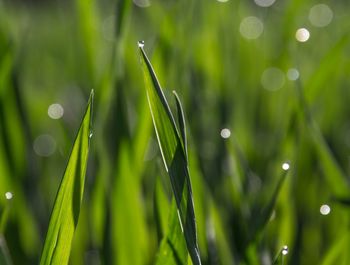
x=248 y=163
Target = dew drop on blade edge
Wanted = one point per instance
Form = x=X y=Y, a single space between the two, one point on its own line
x=141 y=43
x=285 y=166
x=285 y=250
x=8 y=195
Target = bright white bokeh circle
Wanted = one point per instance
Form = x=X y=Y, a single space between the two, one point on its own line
x=225 y=133
x=325 y=209
x=55 y=111
x=302 y=35
x=8 y=195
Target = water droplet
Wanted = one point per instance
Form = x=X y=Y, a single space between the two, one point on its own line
x=55 y=111
x=285 y=250
x=251 y=28
x=320 y=15
x=285 y=166
x=91 y=134
x=292 y=74
x=141 y=43
x=222 y=1
x=264 y=3
x=325 y=209
x=8 y=195
x=225 y=133
x=302 y=35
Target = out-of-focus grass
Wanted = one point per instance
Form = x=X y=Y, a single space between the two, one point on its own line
x=55 y=52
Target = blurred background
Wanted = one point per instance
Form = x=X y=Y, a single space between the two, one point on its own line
x=265 y=88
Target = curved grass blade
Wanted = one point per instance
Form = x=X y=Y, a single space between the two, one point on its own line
x=66 y=208
x=174 y=155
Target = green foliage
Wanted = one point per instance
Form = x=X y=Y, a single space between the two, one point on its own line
x=66 y=209
x=174 y=152
x=280 y=100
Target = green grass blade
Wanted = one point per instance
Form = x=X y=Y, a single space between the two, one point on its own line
x=174 y=155
x=173 y=250
x=182 y=124
x=260 y=222
x=338 y=250
x=128 y=221
x=5 y=258
x=334 y=174
x=66 y=208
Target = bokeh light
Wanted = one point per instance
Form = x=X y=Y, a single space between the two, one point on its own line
x=302 y=35
x=285 y=166
x=272 y=79
x=8 y=195
x=320 y=15
x=251 y=28
x=44 y=145
x=55 y=111
x=264 y=3
x=325 y=209
x=225 y=133
x=293 y=74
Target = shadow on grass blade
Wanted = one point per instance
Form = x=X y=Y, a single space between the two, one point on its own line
x=64 y=217
x=172 y=147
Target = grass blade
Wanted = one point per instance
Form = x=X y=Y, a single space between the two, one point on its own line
x=5 y=258
x=126 y=199
x=173 y=154
x=260 y=222
x=173 y=247
x=182 y=124
x=338 y=251
x=335 y=176
x=66 y=208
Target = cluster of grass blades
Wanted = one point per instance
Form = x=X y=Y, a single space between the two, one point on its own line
x=180 y=240
x=172 y=143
